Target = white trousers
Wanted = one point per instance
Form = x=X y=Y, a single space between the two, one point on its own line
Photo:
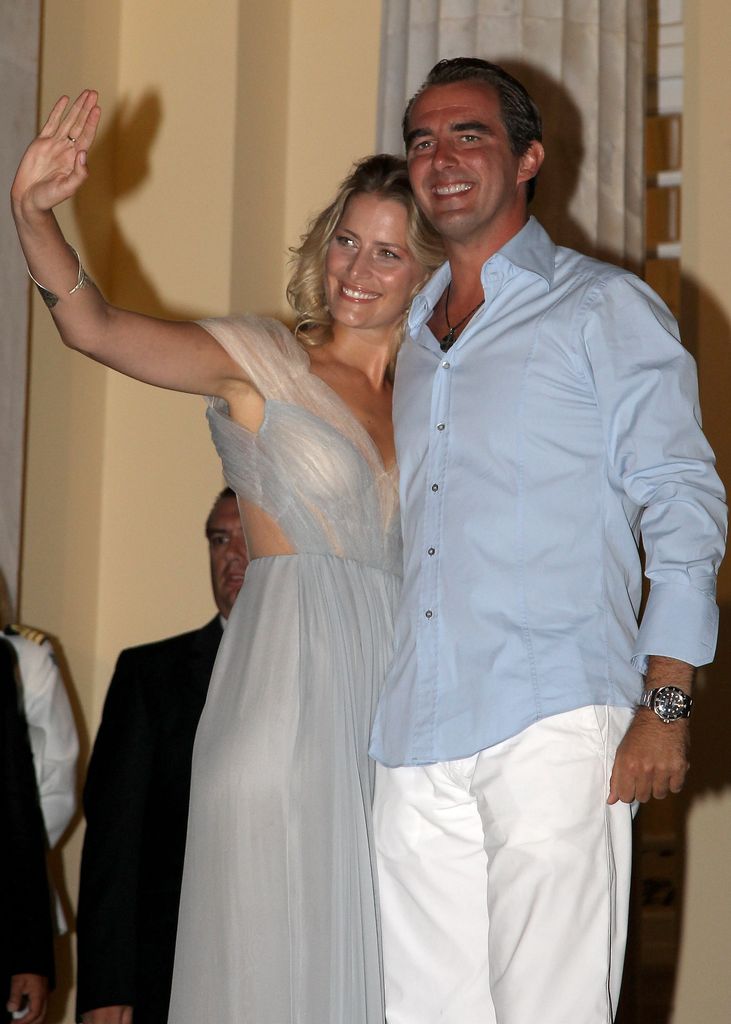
x=504 y=879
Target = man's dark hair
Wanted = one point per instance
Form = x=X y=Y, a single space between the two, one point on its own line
x=227 y=492
x=520 y=115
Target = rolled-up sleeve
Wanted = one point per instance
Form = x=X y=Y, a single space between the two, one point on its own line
x=647 y=394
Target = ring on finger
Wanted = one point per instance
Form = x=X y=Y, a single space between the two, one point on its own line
x=71 y=139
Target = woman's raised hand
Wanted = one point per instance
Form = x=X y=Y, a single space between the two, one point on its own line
x=54 y=165
x=167 y=353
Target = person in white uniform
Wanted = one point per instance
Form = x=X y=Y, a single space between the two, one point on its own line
x=51 y=727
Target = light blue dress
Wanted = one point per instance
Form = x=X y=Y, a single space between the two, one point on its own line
x=279 y=910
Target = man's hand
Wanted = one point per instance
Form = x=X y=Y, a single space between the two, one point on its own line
x=108 y=1015
x=652 y=759
x=28 y=992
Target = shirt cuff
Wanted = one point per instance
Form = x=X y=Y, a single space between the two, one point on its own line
x=680 y=621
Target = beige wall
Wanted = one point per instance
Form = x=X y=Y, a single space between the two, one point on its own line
x=224 y=128
x=704 y=980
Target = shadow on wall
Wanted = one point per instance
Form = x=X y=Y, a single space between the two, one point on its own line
x=122 y=153
x=563 y=138
x=707 y=335
x=564 y=145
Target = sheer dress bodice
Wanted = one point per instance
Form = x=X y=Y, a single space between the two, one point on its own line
x=311 y=468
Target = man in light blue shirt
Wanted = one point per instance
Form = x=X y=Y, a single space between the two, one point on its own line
x=546 y=416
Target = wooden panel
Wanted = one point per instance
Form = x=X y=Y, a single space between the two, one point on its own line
x=662 y=143
x=662 y=216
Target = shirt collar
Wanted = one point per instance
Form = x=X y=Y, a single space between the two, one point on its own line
x=425 y=300
x=530 y=249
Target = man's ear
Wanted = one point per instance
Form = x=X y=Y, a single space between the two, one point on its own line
x=530 y=161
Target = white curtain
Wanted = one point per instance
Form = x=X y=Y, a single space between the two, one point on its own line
x=583 y=61
x=19 y=44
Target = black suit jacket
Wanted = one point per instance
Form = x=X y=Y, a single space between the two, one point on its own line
x=26 y=937
x=136 y=806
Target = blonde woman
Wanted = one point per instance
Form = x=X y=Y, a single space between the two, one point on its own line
x=278 y=917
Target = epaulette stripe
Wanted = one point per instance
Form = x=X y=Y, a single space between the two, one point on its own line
x=37 y=636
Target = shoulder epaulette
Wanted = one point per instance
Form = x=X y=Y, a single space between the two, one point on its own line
x=37 y=636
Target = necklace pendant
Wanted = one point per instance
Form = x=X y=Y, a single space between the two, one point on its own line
x=447 y=340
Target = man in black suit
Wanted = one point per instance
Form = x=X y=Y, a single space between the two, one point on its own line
x=26 y=933
x=136 y=804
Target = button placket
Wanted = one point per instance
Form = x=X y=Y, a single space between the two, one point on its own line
x=436 y=468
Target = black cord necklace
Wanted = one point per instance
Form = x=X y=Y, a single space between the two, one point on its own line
x=448 y=340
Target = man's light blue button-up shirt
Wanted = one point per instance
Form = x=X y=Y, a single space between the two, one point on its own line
x=563 y=423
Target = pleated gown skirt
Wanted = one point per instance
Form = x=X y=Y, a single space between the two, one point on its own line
x=279 y=909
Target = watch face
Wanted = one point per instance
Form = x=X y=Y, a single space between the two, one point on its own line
x=670 y=703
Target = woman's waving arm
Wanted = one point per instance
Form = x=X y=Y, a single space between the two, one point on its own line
x=170 y=354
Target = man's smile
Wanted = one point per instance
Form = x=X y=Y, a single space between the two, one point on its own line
x=452 y=189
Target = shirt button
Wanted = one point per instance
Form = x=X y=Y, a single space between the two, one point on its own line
x=445 y=365
x=428 y=613
x=440 y=426
x=435 y=487
x=431 y=551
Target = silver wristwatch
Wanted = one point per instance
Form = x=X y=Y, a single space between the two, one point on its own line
x=668 y=702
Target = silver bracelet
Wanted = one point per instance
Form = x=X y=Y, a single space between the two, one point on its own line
x=50 y=298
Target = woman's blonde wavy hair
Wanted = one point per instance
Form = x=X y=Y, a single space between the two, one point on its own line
x=383 y=175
